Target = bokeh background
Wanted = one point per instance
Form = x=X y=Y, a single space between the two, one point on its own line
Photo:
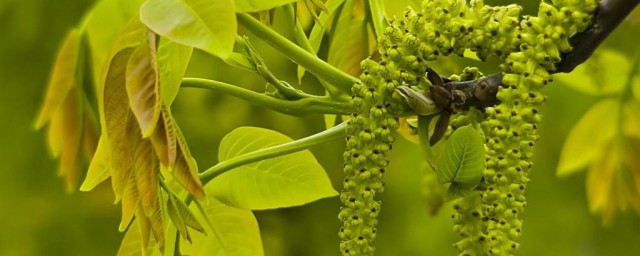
x=38 y=217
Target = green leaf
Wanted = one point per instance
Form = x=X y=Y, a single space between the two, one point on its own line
x=597 y=76
x=597 y=126
x=283 y=181
x=378 y=17
x=173 y=59
x=231 y=231
x=462 y=161
x=259 y=5
x=350 y=41
x=99 y=167
x=142 y=84
x=317 y=32
x=455 y=191
x=203 y=24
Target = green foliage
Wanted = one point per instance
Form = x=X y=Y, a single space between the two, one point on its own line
x=462 y=162
x=284 y=181
x=138 y=66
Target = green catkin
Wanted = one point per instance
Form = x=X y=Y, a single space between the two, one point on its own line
x=407 y=44
x=510 y=127
x=487 y=220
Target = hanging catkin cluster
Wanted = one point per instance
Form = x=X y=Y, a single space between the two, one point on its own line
x=408 y=43
x=488 y=220
x=510 y=127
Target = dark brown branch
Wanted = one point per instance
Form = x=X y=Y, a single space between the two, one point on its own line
x=608 y=16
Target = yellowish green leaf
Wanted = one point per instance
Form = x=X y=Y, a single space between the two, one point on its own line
x=207 y=25
x=99 y=167
x=176 y=218
x=597 y=126
x=65 y=137
x=185 y=169
x=63 y=77
x=601 y=181
x=631 y=123
x=259 y=5
x=164 y=138
x=283 y=181
x=231 y=232
x=146 y=171
x=131 y=244
x=107 y=20
x=142 y=84
x=130 y=201
x=173 y=59
x=121 y=129
x=349 y=42
x=597 y=76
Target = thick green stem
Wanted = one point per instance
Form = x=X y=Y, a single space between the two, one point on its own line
x=301 y=107
x=279 y=150
x=315 y=65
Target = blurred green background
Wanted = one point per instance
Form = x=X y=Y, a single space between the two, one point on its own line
x=37 y=216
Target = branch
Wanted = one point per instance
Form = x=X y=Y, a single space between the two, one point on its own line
x=609 y=14
x=315 y=65
x=275 y=151
x=300 y=107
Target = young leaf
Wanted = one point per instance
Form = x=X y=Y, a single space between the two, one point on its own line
x=601 y=180
x=157 y=225
x=121 y=129
x=173 y=59
x=164 y=138
x=259 y=5
x=377 y=17
x=350 y=42
x=462 y=162
x=176 y=218
x=63 y=77
x=598 y=125
x=131 y=244
x=283 y=181
x=99 y=167
x=142 y=84
x=146 y=172
x=108 y=18
x=65 y=134
x=231 y=232
x=130 y=201
x=204 y=24
x=596 y=76
x=185 y=169
x=144 y=225
x=317 y=32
